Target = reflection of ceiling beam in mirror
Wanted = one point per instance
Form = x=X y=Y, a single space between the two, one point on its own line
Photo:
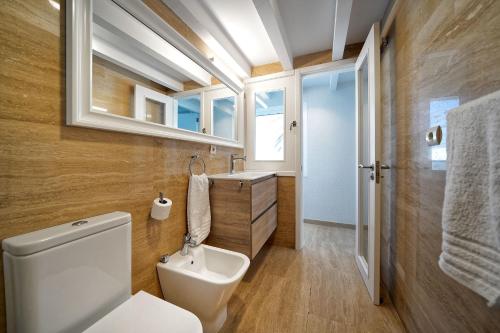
x=137 y=52
x=190 y=106
x=269 y=14
x=223 y=67
x=199 y=18
x=226 y=109
x=109 y=52
x=225 y=104
x=145 y=14
x=340 y=27
x=111 y=17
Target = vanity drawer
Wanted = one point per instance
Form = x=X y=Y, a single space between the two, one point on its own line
x=264 y=194
x=263 y=228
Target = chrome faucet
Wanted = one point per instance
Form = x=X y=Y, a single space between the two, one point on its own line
x=235 y=157
x=188 y=242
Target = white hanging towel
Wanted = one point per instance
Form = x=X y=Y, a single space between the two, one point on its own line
x=198 y=208
x=471 y=211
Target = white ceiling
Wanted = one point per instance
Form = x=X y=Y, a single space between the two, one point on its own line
x=363 y=14
x=308 y=24
x=240 y=20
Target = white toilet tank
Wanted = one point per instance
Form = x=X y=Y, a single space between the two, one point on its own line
x=65 y=278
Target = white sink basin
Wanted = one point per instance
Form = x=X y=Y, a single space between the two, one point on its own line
x=247 y=175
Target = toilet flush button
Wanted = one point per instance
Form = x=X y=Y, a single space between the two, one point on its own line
x=79 y=223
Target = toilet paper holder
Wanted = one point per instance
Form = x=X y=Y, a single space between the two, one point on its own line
x=434 y=135
x=160 y=209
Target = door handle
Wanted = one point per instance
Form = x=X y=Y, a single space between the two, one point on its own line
x=362 y=166
x=384 y=167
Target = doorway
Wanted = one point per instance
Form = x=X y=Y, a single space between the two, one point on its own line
x=367 y=155
x=329 y=148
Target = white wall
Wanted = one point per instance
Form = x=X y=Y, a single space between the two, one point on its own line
x=329 y=152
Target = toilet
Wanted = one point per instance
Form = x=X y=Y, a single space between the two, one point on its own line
x=76 y=277
x=203 y=281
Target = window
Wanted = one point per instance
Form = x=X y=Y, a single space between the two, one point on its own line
x=270 y=116
x=223 y=113
x=188 y=110
x=270 y=126
x=438 y=109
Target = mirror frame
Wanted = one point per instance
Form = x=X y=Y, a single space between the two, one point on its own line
x=79 y=88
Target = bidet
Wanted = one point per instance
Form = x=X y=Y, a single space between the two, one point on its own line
x=203 y=281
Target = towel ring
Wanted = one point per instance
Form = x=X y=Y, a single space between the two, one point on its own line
x=195 y=158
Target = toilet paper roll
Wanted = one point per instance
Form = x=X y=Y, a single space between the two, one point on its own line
x=161 y=211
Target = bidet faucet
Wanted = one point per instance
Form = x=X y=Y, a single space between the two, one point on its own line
x=188 y=242
x=235 y=157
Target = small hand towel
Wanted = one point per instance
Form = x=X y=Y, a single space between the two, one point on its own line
x=198 y=208
x=471 y=211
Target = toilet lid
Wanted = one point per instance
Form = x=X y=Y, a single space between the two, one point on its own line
x=144 y=312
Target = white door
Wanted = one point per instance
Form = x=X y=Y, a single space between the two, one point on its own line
x=368 y=145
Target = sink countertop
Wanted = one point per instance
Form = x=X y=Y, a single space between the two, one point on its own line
x=246 y=175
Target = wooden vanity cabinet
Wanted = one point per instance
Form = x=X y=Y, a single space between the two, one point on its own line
x=244 y=214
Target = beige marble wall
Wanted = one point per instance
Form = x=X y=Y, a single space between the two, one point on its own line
x=51 y=173
x=284 y=235
x=437 y=49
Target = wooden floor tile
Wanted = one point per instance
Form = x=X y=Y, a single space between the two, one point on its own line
x=316 y=289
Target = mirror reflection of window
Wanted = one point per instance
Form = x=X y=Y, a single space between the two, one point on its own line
x=270 y=125
x=438 y=108
x=152 y=106
x=188 y=110
x=155 y=111
x=223 y=112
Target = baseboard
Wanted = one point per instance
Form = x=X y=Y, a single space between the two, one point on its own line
x=330 y=224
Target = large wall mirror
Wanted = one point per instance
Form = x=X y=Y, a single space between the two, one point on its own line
x=125 y=74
